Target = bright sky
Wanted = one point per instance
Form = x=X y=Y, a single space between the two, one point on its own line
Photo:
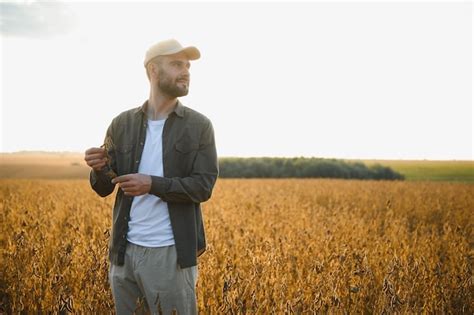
x=342 y=80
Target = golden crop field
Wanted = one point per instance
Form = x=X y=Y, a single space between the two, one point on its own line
x=274 y=247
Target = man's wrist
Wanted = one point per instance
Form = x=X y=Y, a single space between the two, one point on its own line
x=149 y=182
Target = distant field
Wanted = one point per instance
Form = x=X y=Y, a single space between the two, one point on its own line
x=461 y=171
x=43 y=165
x=72 y=166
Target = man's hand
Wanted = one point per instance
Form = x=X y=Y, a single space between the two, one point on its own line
x=96 y=158
x=134 y=184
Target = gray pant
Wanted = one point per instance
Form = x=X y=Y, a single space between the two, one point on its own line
x=151 y=280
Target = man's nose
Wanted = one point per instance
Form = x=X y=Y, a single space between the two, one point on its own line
x=186 y=72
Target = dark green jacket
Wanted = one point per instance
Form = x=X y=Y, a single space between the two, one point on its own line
x=190 y=168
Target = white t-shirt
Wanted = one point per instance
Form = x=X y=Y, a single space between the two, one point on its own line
x=150 y=223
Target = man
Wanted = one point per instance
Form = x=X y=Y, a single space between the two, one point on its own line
x=162 y=155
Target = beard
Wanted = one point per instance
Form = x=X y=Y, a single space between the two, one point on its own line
x=170 y=87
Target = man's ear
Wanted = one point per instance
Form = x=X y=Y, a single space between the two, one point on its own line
x=155 y=70
x=152 y=70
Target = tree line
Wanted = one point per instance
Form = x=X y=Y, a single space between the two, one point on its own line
x=301 y=167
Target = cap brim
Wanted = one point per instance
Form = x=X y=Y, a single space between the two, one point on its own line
x=192 y=52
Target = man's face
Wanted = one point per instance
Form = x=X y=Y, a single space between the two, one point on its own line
x=173 y=75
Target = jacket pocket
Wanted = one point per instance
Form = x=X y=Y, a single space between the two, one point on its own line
x=185 y=151
x=124 y=148
x=124 y=157
x=186 y=146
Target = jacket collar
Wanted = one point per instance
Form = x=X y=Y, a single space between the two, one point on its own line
x=178 y=109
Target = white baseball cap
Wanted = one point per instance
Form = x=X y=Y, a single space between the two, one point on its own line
x=169 y=47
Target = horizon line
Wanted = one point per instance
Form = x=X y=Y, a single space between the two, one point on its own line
x=259 y=156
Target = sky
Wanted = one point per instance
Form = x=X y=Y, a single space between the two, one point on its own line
x=352 y=80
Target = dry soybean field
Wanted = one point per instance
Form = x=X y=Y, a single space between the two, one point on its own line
x=282 y=246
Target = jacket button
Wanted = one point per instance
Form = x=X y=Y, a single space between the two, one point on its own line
x=136 y=161
x=125 y=218
x=123 y=236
